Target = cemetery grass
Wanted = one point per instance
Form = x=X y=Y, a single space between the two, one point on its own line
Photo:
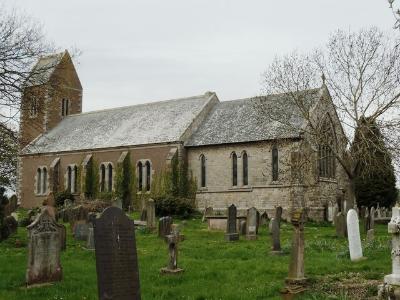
x=214 y=268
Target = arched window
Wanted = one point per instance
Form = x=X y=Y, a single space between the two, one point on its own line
x=102 y=178
x=110 y=178
x=234 y=169
x=75 y=180
x=148 y=175
x=140 y=175
x=203 y=170
x=39 y=181
x=69 y=179
x=65 y=107
x=275 y=163
x=326 y=157
x=44 y=181
x=245 y=161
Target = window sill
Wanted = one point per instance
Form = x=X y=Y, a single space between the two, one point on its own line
x=325 y=179
x=241 y=188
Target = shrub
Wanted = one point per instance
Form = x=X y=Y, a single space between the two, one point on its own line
x=174 y=206
x=62 y=196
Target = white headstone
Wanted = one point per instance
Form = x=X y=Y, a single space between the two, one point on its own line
x=353 y=232
x=330 y=212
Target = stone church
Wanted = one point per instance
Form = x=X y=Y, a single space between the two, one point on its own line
x=235 y=157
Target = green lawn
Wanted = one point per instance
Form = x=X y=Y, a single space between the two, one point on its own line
x=214 y=268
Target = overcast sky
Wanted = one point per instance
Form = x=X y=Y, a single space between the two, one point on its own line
x=141 y=51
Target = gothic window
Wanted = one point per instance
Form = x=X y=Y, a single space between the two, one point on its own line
x=326 y=157
x=203 y=170
x=148 y=175
x=234 y=169
x=65 y=107
x=140 y=175
x=38 y=181
x=245 y=162
x=102 y=178
x=34 y=107
x=69 y=179
x=74 y=180
x=44 y=181
x=275 y=163
x=110 y=178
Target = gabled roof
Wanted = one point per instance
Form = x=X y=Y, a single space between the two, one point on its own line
x=151 y=123
x=245 y=120
x=44 y=68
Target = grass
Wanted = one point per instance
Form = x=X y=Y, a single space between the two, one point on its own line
x=214 y=268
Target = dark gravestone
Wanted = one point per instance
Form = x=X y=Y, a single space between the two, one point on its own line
x=341 y=225
x=276 y=242
x=81 y=230
x=278 y=215
x=242 y=227
x=231 y=226
x=164 y=226
x=263 y=218
x=116 y=256
x=63 y=237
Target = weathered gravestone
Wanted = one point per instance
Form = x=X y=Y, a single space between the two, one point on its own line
x=276 y=242
x=340 y=224
x=172 y=268
x=63 y=237
x=151 y=214
x=270 y=225
x=370 y=236
x=353 y=232
x=278 y=215
x=164 y=226
x=251 y=232
x=90 y=239
x=231 y=224
x=242 y=227
x=207 y=212
x=116 y=256
x=44 y=250
x=81 y=230
x=263 y=218
x=372 y=218
x=143 y=215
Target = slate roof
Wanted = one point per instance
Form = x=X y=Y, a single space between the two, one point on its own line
x=150 y=123
x=245 y=120
x=44 y=68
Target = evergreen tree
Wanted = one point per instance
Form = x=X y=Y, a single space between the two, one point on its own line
x=375 y=181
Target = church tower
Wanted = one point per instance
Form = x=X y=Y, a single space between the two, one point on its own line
x=52 y=92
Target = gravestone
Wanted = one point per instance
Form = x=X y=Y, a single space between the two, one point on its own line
x=278 y=215
x=370 y=236
x=63 y=237
x=172 y=268
x=242 y=227
x=44 y=250
x=116 y=256
x=270 y=225
x=151 y=214
x=391 y=285
x=164 y=226
x=276 y=242
x=335 y=212
x=207 y=212
x=366 y=220
x=251 y=232
x=372 y=218
x=330 y=212
x=263 y=218
x=143 y=215
x=90 y=239
x=81 y=230
x=340 y=224
x=353 y=232
x=231 y=224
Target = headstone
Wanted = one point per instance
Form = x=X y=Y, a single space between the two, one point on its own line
x=251 y=232
x=330 y=213
x=353 y=232
x=172 y=268
x=270 y=225
x=207 y=212
x=276 y=242
x=391 y=285
x=164 y=226
x=151 y=214
x=44 y=250
x=116 y=256
x=372 y=218
x=263 y=218
x=242 y=227
x=370 y=236
x=90 y=239
x=81 y=230
x=143 y=215
x=340 y=224
x=366 y=221
x=278 y=215
x=63 y=237
x=231 y=224
x=335 y=212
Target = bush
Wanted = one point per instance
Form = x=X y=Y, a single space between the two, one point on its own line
x=174 y=206
x=62 y=196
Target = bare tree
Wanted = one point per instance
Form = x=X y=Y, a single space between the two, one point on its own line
x=361 y=73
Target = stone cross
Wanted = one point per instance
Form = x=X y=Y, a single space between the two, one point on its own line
x=164 y=226
x=116 y=256
x=151 y=214
x=231 y=224
x=296 y=267
x=44 y=248
x=172 y=268
x=353 y=232
x=276 y=242
x=391 y=285
x=251 y=232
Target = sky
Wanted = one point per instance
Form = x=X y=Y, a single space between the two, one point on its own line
x=149 y=50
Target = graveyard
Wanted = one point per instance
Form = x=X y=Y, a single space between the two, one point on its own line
x=213 y=267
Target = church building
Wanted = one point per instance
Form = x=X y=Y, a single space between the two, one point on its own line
x=235 y=154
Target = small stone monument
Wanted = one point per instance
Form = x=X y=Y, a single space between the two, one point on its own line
x=164 y=226
x=251 y=232
x=278 y=215
x=116 y=256
x=263 y=218
x=44 y=250
x=270 y=225
x=276 y=242
x=370 y=235
x=151 y=214
x=353 y=232
x=231 y=226
x=391 y=283
x=172 y=268
x=372 y=218
x=242 y=227
x=90 y=239
x=340 y=224
x=81 y=230
x=63 y=237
